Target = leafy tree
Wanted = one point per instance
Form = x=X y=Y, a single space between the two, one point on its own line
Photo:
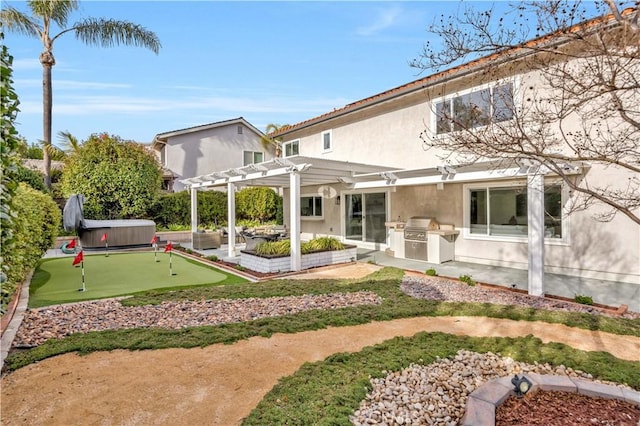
x=31 y=177
x=175 y=208
x=272 y=144
x=120 y=179
x=91 y=31
x=69 y=142
x=577 y=103
x=257 y=203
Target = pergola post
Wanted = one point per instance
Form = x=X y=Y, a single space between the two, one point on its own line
x=294 y=207
x=535 y=219
x=194 y=210
x=231 y=219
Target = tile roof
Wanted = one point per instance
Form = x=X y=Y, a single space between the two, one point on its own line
x=507 y=54
x=162 y=137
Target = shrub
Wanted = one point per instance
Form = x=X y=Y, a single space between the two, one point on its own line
x=36 y=219
x=467 y=279
x=257 y=203
x=274 y=248
x=283 y=247
x=322 y=244
x=212 y=258
x=120 y=179
x=585 y=300
x=431 y=272
x=31 y=177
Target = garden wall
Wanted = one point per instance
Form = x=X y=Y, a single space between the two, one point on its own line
x=273 y=264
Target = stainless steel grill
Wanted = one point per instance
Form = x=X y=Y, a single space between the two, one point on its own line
x=415 y=236
x=417 y=227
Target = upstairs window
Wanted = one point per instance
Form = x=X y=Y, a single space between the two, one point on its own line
x=311 y=206
x=252 y=157
x=474 y=109
x=291 y=148
x=327 y=142
x=240 y=130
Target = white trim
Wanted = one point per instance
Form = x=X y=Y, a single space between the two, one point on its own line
x=253 y=156
x=433 y=130
x=480 y=185
x=313 y=217
x=284 y=147
x=323 y=148
x=343 y=225
x=485 y=175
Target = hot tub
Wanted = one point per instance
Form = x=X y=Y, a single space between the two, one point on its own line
x=120 y=233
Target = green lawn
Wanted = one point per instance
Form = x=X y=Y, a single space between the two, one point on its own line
x=57 y=281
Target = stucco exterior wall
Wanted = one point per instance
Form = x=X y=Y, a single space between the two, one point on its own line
x=388 y=134
x=207 y=151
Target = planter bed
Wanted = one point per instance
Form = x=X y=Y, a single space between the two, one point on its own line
x=278 y=264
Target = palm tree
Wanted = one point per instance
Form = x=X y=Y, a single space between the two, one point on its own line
x=70 y=143
x=91 y=31
x=272 y=143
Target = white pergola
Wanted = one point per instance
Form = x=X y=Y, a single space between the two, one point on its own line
x=290 y=172
x=294 y=172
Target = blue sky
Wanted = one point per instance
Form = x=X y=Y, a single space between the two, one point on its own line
x=269 y=62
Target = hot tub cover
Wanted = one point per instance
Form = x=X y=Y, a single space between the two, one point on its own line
x=72 y=213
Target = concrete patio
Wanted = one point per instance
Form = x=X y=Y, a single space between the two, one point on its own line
x=603 y=292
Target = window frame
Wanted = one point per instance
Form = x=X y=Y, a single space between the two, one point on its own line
x=313 y=216
x=450 y=99
x=487 y=186
x=253 y=156
x=322 y=136
x=286 y=145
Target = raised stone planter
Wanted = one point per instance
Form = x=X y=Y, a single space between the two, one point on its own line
x=279 y=264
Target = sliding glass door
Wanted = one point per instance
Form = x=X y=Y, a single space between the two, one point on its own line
x=365 y=215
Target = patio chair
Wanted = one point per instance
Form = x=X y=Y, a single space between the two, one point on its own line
x=253 y=240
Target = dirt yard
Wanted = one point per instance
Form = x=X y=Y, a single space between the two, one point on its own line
x=221 y=384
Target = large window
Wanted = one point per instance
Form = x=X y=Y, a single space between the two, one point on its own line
x=252 y=157
x=311 y=206
x=474 y=109
x=502 y=211
x=291 y=148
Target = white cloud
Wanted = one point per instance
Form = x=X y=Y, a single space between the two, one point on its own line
x=26 y=64
x=69 y=84
x=89 y=105
x=386 y=18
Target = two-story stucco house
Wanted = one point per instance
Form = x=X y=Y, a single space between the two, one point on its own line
x=223 y=145
x=361 y=173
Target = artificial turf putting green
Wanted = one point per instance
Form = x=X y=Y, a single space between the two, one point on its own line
x=57 y=281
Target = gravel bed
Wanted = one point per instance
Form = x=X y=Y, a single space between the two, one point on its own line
x=437 y=393
x=418 y=395
x=39 y=325
x=443 y=289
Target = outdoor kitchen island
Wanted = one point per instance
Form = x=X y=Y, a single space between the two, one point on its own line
x=422 y=238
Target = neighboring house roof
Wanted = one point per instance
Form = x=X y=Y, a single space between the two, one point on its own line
x=161 y=138
x=525 y=49
x=35 y=164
